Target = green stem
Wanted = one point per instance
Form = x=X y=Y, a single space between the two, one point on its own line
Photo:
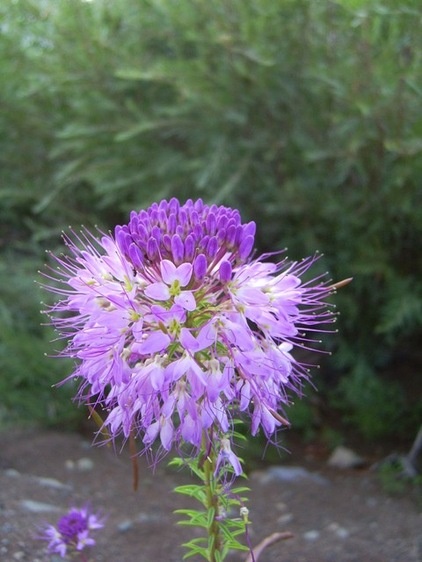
x=217 y=500
x=213 y=503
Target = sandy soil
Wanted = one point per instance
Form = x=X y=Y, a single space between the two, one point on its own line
x=335 y=515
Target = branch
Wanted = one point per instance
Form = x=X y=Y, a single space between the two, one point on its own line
x=268 y=541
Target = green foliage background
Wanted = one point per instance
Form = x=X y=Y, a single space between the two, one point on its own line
x=306 y=115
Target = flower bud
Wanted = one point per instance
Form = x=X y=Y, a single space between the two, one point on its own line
x=200 y=267
x=225 y=271
x=177 y=249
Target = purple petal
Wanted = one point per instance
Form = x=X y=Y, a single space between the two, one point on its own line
x=245 y=394
x=188 y=341
x=226 y=455
x=168 y=271
x=214 y=385
x=155 y=342
x=168 y=406
x=157 y=291
x=158 y=313
x=178 y=368
x=166 y=434
x=207 y=335
x=184 y=273
x=186 y=300
x=151 y=433
x=251 y=295
x=192 y=430
x=157 y=378
x=239 y=335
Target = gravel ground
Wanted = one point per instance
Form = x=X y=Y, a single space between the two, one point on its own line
x=334 y=515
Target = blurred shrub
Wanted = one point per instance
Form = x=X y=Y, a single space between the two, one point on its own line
x=370 y=404
x=304 y=114
x=27 y=374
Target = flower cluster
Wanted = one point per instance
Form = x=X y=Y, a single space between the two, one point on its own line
x=72 y=533
x=175 y=326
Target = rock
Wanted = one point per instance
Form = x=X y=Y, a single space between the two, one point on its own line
x=371 y=502
x=12 y=473
x=125 y=525
x=148 y=517
x=281 y=506
x=5 y=528
x=312 y=535
x=83 y=464
x=52 y=483
x=38 y=507
x=342 y=457
x=340 y=532
x=285 y=518
x=289 y=474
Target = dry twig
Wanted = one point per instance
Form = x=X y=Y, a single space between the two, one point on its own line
x=268 y=541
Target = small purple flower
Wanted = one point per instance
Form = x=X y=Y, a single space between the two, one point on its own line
x=226 y=456
x=176 y=328
x=72 y=533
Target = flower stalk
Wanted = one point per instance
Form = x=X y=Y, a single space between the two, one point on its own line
x=221 y=502
x=212 y=506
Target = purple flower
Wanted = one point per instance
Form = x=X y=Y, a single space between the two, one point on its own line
x=176 y=328
x=72 y=532
x=226 y=455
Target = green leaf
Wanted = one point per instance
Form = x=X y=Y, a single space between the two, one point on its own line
x=210 y=517
x=146 y=127
x=192 y=490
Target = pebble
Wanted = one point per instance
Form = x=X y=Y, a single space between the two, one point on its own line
x=83 y=464
x=339 y=531
x=290 y=474
x=281 y=506
x=285 y=518
x=6 y=528
x=52 y=483
x=125 y=525
x=371 y=502
x=312 y=535
x=19 y=555
x=12 y=473
x=38 y=507
x=342 y=533
x=148 y=517
x=342 y=457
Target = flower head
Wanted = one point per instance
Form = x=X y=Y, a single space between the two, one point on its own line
x=176 y=327
x=72 y=532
